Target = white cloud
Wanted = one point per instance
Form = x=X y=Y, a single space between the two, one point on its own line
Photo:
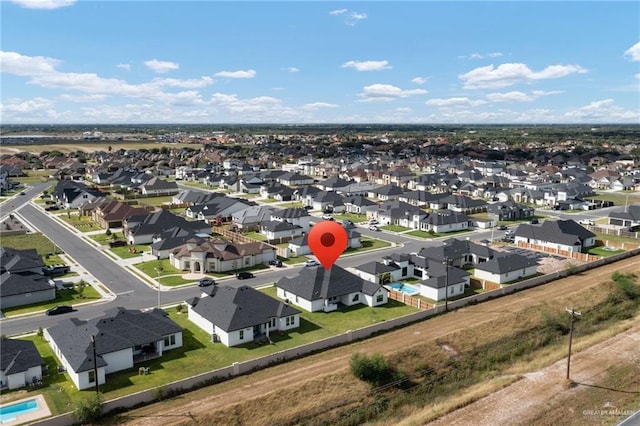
x=603 y=110
x=511 y=73
x=633 y=53
x=454 y=102
x=15 y=63
x=481 y=55
x=192 y=83
x=350 y=18
x=367 y=65
x=83 y=98
x=419 y=80
x=291 y=69
x=516 y=96
x=637 y=76
x=44 y=4
x=236 y=74
x=161 y=66
x=32 y=105
x=126 y=67
x=318 y=105
x=387 y=92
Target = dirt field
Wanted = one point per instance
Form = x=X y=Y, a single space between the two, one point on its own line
x=324 y=379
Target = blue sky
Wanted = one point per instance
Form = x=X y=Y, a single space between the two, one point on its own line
x=66 y=61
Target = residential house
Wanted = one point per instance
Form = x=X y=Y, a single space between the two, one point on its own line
x=140 y=229
x=276 y=191
x=19 y=290
x=206 y=255
x=326 y=201
x=505 y=268
x=358 y=204
x=71 y=194
x=627 y=218
x=295 y=179
x=300 y=246
x=295 y=216
x=238 y=315
x=509 y=210
x=122 y=338
x=20 y=363
x=252 y=217
x=111 y=213
x=386 y=192
x=443 y=221
x=317 y=289
x=566 y=235
x=164 y=242
x=156 y=187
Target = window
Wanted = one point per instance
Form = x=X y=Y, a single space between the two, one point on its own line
x=241 y=334
x=187 y=264
x=355 y=298
x=379 y=298
x=170 y=340
x=92 y=376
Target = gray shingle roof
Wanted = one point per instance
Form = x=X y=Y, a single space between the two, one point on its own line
x=18 y=355
x=506 y=263
x=567 y=232
x=235 y=308
x=12 y=284
x=118 y=329
x=317 y=283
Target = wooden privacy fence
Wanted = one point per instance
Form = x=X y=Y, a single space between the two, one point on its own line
x=409 y=300
x=564 y=253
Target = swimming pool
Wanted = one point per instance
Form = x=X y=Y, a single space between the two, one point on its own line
x=404 y=288
x=9 y=412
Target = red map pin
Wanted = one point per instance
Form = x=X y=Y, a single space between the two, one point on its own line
x=327 y=240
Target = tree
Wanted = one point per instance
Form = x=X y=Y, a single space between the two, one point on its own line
x=40 y=332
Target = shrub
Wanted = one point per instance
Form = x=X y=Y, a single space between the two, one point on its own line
x=374 y=370
x=107 y=232
x=626 y=285
x=89 y=410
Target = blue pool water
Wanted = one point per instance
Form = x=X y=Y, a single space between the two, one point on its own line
x=9 y=412
x=405 y=288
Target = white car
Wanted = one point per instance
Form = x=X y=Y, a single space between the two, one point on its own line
x=373 y=222
x=327 y=217
x=373 y=228
x=311 y=262
x=586 y=222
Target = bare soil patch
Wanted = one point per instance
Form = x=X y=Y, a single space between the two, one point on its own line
x=315 y=384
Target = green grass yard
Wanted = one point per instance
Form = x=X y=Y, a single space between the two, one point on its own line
x=81 y=223
x=43 y=245
x=130 y=251
x=353 y=217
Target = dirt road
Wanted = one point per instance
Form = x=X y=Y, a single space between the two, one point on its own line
x=273 y=382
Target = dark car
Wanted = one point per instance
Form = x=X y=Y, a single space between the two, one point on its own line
x=534 y=221
x=117 y=243
x=22 y=193
x=52 y=208
x=60 y=309
x=244 y=275
x=206 y=282
x=276 y=263
x=502 y=227
x=54 y=271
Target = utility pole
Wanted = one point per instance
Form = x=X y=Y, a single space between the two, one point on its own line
x=573 y=313
x=446 y=285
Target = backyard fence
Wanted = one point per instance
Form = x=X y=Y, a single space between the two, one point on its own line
x=584 y=257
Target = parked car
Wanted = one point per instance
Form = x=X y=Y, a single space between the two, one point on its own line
x=327 y=216
x=374 y=228
x=276 y=262
x=117 y=243
x=22 y=193
x=534 y=221
x=244 y=275
x=347 y=223
x=206 y=282
x=373 y=222
x=509 y=232
x=311 y=262
x=60 y=309
x=586 y=222
x=502 y=227
x=56 y=270
x=52 y=208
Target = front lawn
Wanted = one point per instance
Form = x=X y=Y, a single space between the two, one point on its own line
x=422 y=234
x=150 y=268
x=394 y=228
x=291 y=204
x=43 y=245
x=369 y=244
x=63 y=297
x=81 y=223
x=131 y=251
x=256 y=236
x=353 y=217
x=269 y=200
x=155 y=201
